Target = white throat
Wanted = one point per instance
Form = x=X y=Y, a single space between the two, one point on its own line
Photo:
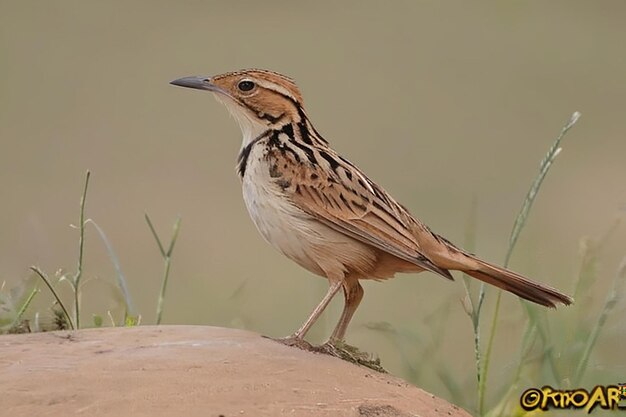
x=250 y=126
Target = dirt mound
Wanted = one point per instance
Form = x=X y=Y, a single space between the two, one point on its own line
x=192 y=371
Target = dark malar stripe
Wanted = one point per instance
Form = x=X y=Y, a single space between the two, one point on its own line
x=242 y=158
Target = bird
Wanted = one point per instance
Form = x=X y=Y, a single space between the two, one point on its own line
x=324 y=213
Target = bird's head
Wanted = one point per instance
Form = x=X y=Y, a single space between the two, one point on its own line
x=257 y=99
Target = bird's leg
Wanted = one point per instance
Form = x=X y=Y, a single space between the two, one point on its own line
x=353 y=294
x=335 y=346
x=297 y=339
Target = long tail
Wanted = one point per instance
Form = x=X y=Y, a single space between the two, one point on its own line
x=518 y=285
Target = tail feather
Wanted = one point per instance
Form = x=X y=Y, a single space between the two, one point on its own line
x=518 y=285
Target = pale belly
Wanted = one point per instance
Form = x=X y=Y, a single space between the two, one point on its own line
x=313 y=245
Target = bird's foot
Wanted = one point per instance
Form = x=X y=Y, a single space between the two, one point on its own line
x=331 y=347
x=336 y=348
x=339 y=349
x=294 y=341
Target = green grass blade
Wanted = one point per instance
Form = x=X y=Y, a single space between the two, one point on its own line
x=590 y=249
x=167 y=259
x=156 y=236
x=25 y=304
x=518 y=226
x=81 y=251
x=45 y=279
x=175 y=231
x=121 y=280
x=544 y=167
x=472 y=308
x=611 y=301
x=482 y=386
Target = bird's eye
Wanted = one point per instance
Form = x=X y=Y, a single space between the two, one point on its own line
x=245 y=85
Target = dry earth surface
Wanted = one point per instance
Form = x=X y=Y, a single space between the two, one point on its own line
x=192 y=371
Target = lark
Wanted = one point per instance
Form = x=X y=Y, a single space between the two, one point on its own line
x=322 y=212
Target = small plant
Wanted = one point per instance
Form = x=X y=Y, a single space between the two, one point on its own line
x=167 y=261
x=66 y=317
x=556 y=346
x=518 y=226
x=13 y=305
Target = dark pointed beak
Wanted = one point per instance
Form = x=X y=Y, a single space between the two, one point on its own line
x=198 y=83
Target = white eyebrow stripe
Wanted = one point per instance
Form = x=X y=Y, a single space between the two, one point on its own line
x=275 y=87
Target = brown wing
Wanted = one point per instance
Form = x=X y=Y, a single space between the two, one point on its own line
x=343 y=198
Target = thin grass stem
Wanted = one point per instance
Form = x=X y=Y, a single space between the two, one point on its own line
x=474 y=308
x=54 y=293
x=610 y=302
x=544 y=167
x=482 y=387
x=518 y=226
x=121 y=280
x=81 y=246
x=156 y=236
x=167 y=259
x=26 y=303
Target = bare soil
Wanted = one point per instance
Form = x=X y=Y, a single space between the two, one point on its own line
x=192 y=371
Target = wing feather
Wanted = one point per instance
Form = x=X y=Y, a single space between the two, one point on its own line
x=360 y=209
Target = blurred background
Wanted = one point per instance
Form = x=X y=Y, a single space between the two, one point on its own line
x=448 y=105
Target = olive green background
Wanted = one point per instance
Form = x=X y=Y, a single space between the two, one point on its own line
x=441 y=102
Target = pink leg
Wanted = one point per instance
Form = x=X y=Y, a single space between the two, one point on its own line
x=353 y=294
